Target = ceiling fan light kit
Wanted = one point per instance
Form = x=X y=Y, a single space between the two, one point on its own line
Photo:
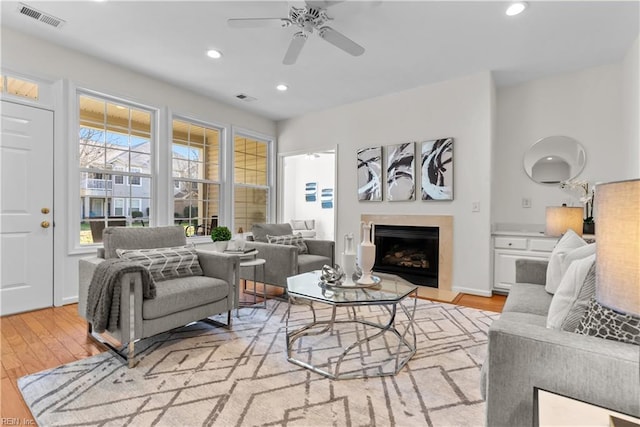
x=213 y=53
x=309 y=18
x=516 y=8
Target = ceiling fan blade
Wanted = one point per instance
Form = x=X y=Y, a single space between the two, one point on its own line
x=340 y=41
x=322 y=4
x=258 y=22
x=297 y=42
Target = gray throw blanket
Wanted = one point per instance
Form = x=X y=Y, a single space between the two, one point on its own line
x=103 y=300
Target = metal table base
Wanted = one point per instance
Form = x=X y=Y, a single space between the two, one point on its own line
x=406 y=338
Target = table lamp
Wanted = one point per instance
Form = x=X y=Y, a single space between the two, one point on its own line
x=562 y=218
x=618 y=246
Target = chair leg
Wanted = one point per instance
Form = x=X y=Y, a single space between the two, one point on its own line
x=132 y=355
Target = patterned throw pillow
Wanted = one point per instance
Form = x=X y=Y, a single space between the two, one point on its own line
x=600 y=321
x=571 y=322
x=165 y=263
x=290 y=239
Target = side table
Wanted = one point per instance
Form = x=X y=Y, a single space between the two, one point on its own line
x=255 y=263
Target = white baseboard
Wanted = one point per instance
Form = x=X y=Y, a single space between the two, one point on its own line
x=472 y=291
x=69 y=300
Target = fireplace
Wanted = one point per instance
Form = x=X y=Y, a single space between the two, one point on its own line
x=411 y=252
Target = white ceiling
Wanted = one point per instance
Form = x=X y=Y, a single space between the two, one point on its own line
x=408 y=44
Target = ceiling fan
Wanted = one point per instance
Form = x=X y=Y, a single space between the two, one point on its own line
x=309 y=18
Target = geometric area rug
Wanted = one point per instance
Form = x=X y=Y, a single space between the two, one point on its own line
x=202 y=375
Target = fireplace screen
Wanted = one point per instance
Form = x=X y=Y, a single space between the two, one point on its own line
x=409 y=252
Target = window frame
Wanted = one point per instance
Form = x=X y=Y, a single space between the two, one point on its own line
x=132 y=177
x=130 y=208
x=222 y=178
x=75 y=171
x=115 y=206
x=271 y=159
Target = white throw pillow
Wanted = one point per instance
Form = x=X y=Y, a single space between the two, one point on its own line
x=577 y=254
x=568 y=291
x=556 y=268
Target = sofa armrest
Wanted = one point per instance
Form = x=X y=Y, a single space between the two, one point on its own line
x=531 y=271
x=86 y=267
x=523 y=356
x=222 y=266
x=322 y=247
x=281 y=261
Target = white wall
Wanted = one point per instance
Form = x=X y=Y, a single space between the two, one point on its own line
x=37 y=58
x=298 y=171
x=585 y=105
x=631 y=108
x=458 y=108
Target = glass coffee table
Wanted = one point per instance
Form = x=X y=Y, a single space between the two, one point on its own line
x=374 y=336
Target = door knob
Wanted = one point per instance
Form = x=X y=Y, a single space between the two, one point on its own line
x=44 y=210
x=45 y=224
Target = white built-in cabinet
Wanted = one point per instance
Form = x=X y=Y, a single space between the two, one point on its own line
x=509 y=247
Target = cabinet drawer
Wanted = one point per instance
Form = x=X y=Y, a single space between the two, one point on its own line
x=510 y=243
x=543 y=245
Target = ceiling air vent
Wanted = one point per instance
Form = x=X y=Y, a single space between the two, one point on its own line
x=246 y=98
x=40 y=16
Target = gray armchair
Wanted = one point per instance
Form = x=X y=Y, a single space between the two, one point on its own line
x=178 y=301
x=283 y=261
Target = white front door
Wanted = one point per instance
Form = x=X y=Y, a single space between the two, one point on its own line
x=26 y=208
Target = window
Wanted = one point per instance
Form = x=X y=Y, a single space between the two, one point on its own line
x=135 y=206
x=196 y=175
x=251 y=183
x=118 y=179
x=135 y=180
x=113 y=136
x=118 y=207
x=18 y=87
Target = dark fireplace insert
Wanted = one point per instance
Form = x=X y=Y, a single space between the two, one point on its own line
x=410 y=252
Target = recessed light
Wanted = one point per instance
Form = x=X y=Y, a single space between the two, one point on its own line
x=282 y=87
x=549 y=158
x=516 y=8
x=215 y=54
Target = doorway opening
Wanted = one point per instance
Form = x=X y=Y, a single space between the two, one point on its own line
x=308 y=193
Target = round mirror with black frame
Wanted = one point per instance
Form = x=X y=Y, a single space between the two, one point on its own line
x=554 y=159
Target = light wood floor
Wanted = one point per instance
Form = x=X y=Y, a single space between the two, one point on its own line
x=43 y=339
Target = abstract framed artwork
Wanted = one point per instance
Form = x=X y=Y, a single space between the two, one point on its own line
x=326 y=198
x=310 y=191
x=370 y=174
x=400 y=161
x=437 y=169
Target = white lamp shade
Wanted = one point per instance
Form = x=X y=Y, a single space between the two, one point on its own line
x=562 y=218
x=618 y=246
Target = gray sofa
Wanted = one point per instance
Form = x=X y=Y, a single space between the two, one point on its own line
x=523 y=354
x=178 y=301
x=283 y=261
